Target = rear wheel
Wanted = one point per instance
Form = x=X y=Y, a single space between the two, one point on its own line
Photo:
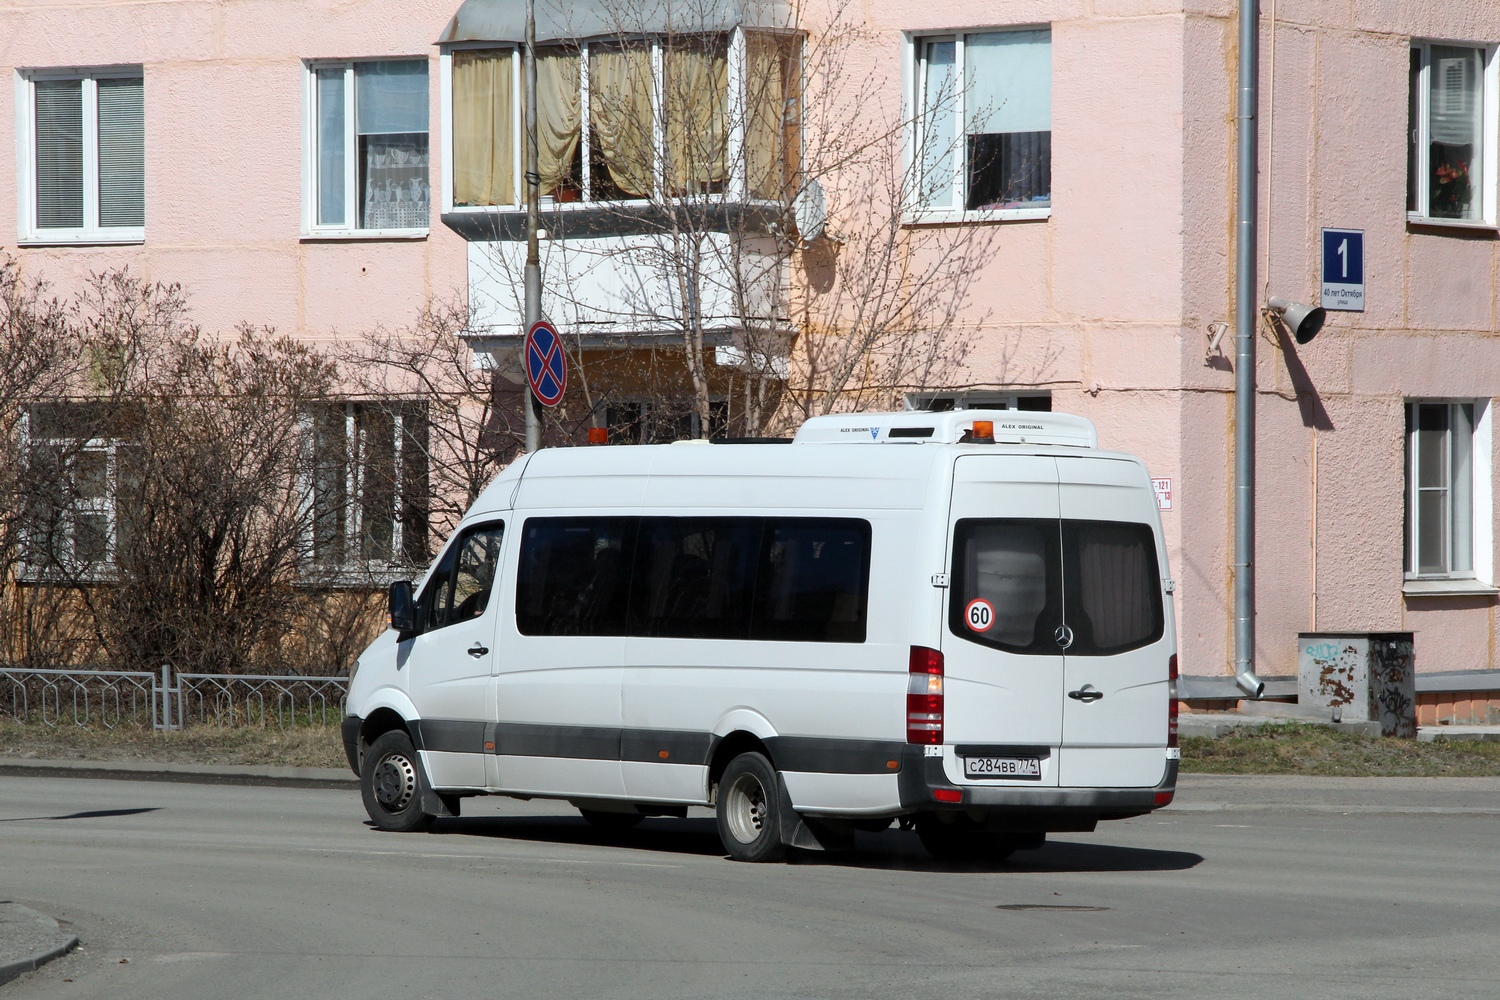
x=749 y=810
x=611 y=822
x=391 y=784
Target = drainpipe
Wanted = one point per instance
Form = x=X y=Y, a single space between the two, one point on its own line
x=533 y=274
x=1245 y=319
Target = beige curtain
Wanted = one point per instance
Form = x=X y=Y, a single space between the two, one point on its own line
x=772 y=98
x=559 y=117
x=697 y=81
x=621 y=117
x=483 y=132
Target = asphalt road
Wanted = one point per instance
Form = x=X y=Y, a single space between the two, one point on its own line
x=1246 y=888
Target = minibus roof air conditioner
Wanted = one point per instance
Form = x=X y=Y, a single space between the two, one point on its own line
x=950 y=427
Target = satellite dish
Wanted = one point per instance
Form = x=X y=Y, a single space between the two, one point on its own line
x=810 y=211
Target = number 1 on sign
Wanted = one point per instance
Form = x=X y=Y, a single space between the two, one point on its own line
x=1344 y=258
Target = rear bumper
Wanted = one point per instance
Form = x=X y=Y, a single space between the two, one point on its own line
x=922 y=776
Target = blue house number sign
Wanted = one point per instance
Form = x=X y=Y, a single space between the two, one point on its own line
x=1344 y=269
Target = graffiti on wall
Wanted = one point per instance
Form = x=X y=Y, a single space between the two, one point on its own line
x=1393 y=687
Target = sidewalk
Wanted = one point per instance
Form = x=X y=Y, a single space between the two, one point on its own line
x=1216 y=724
x=215 y=774
x=29 y=940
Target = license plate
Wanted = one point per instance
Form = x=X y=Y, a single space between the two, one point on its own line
x=1003 y=767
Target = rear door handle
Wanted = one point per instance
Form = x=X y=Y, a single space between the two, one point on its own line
x=1086 y=693
x=478 y=649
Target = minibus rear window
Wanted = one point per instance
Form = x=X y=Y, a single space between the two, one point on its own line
x=1018 y=582
x=1113 y=594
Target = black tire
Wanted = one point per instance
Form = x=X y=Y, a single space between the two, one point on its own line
x=611 y=822
x=962 y=841
x=391 y=783
x=749 y=810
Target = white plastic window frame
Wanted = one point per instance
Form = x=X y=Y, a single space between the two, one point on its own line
x=912 y=80
x=734 y=187
x=349 y=561
x=348 y=229
x=1481 y=512
x=104 y=505
x=28 y=233
x=1491 y=131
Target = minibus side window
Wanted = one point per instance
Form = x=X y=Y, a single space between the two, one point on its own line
x=574 y=577
x=694 y=577
x=1005 y=573
x=1113 y=597
x=459 y=589
x=478 y=556
x=814 y=579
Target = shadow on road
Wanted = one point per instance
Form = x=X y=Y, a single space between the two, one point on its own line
x=892 y=850
x=90 y=814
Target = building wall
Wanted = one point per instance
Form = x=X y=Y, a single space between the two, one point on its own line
x=223 y=83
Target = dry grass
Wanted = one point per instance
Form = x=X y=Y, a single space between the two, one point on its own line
x=1294 y=748
x=302 y=746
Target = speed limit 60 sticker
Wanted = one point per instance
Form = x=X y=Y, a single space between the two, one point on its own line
x=980 y=615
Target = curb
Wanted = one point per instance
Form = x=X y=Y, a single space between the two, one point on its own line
x=19 y=967
x=207 y=774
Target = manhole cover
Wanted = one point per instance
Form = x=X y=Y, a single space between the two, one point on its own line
x=1052 y=906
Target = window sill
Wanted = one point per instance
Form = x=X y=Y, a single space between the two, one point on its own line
x=949 y=217
x=357 y=235
x=73 y=238
x=1427 y=222
x=1448 y=588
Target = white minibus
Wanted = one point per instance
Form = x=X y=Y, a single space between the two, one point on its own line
x=960 y=621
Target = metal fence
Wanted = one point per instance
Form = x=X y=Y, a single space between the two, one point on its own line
x=166 y=700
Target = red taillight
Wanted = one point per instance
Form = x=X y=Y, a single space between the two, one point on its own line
x=1172 y=701
x=1163 y=799
x=948 y=794
x=924 y=696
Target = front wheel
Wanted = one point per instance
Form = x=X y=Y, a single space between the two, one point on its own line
x=749 y=810
x=391 y=784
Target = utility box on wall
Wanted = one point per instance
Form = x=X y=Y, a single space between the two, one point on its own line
x=1360 y=677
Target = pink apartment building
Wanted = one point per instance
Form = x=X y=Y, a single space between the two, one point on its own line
x=325 y=167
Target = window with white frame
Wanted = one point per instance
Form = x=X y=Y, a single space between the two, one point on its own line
x=1447 y=489
x=983 y=122
x=82 y=146
x=79 y=474
x=1451 y=147
x=369 y=484
x=629 y=119
x=367 y=140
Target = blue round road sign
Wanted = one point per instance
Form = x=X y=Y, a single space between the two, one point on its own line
x=546 y=368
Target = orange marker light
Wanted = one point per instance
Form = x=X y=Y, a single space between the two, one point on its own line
x=984 y=430
x=663 y=754
x=489 y=745
x=893 y=765
x=598 y=435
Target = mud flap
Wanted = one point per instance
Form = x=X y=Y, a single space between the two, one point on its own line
x=808 y=834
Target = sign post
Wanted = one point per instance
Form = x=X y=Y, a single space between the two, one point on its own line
x=1344 y=270
x=546 y=366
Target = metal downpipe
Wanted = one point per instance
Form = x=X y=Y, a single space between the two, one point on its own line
x=1245 y=320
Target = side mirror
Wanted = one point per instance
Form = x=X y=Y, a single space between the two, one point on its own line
x=402 y=607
